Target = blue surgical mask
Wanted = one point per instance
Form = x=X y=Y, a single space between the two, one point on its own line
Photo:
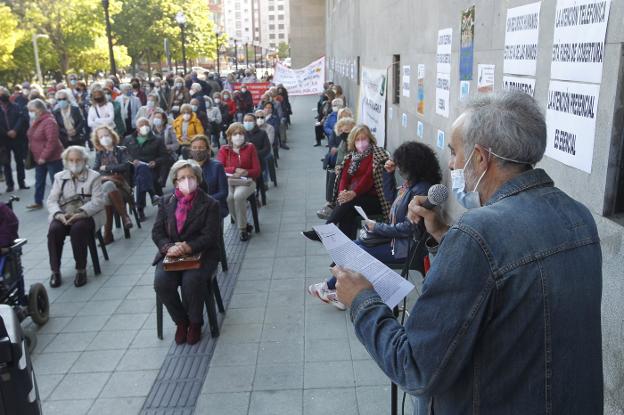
x=63 y=104
x=194 y=108
x=469 y=200
x=249 y=125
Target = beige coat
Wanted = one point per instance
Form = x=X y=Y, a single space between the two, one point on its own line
x=89 y=183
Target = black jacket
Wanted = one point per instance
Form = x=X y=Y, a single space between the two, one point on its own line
x=18 y=121
x=202 y=229
x=79 y=126
x=123 y=167
x=151 y=150
x=260 y=139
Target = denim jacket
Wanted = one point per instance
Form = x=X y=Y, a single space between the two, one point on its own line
x=509 y=317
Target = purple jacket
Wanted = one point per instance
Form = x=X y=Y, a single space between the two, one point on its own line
x=8 y=226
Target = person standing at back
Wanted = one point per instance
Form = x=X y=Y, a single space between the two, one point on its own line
x=13 y=126
x=509 y=318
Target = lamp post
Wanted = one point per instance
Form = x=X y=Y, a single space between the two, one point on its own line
x=255 y=55
x=218 y=65
x=36 y=50
x=247 y=55
x=236 y=54
x=181 y=20
x=111 y=55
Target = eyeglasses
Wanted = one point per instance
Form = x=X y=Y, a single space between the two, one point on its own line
x=260 y=118
x=62 y=99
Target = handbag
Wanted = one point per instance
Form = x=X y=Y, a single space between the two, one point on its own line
x=29 y=162
x=370 y=240
x=182 y=263
x=233 y=181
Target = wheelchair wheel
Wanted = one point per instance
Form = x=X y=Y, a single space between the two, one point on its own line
x=38 y=304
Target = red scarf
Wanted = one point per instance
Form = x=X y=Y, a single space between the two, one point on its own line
x=185 y=203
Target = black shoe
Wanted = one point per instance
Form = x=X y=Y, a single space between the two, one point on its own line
x=249 y=228
x=244 y=236
x=311 y=235
x=155 y=200
x=24 y=187
x=141 y=215
x=10 y=189
x=55 y=280
x=81 y=278
x=317 y=145
x=285 y=147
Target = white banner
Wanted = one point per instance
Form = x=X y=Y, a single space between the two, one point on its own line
x=445 y=42
x=579 y=40
x=521 y=36
x=571 y=122
x=372 y=105
x=443 y=94
x=485 y=80
x=304 y=81
x=406 y=80
x=518 y=83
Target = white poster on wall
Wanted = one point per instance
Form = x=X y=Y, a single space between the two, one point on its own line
x=519 y=83
x=443 y=94
x=372 y=102
x=405 y=82
x=579 y=40
x=485 y=80
x=304 y=81
x=443 y=57
x=521 y=36
x=571 y=122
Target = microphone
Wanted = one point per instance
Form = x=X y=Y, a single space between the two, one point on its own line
x=437 y=195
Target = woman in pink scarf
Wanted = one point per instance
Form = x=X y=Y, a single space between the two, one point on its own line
x=188 y=223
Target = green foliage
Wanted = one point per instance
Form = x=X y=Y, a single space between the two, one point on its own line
x=282 y=50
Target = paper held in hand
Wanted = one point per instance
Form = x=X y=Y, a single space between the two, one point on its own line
x=390 y=286
x=361 y=212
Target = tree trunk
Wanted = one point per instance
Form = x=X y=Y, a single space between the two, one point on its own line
x=149 y=64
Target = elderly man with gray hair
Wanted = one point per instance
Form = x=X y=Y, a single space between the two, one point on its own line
x=509 y=316
x=130 y=105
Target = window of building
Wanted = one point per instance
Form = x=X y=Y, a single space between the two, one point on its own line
x=280 y=17
x=271 y=27
x=396 y=79
x=280 y=26
x=271 y=8
x=280 y=7
x=281 y=36
x=271 y=17
x=271 y=45
x=272 y=36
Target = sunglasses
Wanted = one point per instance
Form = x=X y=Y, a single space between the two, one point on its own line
x=62 y=99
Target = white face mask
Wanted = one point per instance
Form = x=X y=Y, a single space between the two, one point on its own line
x=217 y=100
x=187 y=186
x=186 y=117
x=144 y=130
x=106 y=141
x=238 y=140
x=75 y=168
x=335 y=109
x=260 y=122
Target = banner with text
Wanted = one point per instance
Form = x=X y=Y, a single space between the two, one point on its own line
x=521 y=36
x=579 y=40
x=443 y=72
x=304 y=81
x=519 y=83
x=571 y=122
x=257 y=89
x=372 y=105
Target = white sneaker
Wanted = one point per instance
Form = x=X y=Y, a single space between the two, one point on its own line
x=321 y=291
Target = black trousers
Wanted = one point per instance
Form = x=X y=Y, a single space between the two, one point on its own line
x=18 y=148
x=319 y=133
x=193 y=283
x=347 y=219
x=79 y=234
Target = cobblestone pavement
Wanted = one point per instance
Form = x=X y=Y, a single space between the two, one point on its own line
x=280 y=350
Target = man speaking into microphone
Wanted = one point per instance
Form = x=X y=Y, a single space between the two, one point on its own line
x=509 y=317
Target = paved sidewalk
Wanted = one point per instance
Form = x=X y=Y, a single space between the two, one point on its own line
x=280 y=351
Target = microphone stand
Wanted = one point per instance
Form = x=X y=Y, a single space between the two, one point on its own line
x=394 y=389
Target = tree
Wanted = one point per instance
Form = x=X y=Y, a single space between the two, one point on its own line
x=96 y=59
x=283 y=50
x=9 y=37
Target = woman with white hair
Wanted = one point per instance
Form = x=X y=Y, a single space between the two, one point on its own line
x=76 y=206
x=130 y=105
x=69 y=119
x=45 y=146
x=188 y=223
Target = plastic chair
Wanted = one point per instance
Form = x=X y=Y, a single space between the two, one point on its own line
x=93 y=251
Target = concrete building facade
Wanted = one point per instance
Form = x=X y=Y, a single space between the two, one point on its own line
x=377 y=34
x=264 y=23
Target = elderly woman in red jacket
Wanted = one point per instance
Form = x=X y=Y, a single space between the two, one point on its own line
x=45 y=145
x=242 y=166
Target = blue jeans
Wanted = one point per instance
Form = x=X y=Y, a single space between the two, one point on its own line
x=381 y=252
x=51 y=168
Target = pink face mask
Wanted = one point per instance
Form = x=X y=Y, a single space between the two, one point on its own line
x=187 y=186
x=362 y=145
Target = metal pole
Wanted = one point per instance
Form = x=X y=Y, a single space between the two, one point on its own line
x=111 y=54
x=236 y=54
x=183 y=48
x=247 y=55
x=255 y=56
x=37 y=66
x=218 y=65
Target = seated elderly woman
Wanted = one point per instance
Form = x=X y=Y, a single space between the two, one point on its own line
x=76 y=205
x=186 y=126
x=148 y=155
x=188 y=223
x=360 y=183
x=215 y=181
x=113 y=164
x=418 y=165
x=242 y=165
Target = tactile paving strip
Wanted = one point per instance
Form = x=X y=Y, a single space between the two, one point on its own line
x=179 y=382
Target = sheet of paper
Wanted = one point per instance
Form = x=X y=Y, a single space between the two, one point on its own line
x=390 y=286
x=359 y=210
